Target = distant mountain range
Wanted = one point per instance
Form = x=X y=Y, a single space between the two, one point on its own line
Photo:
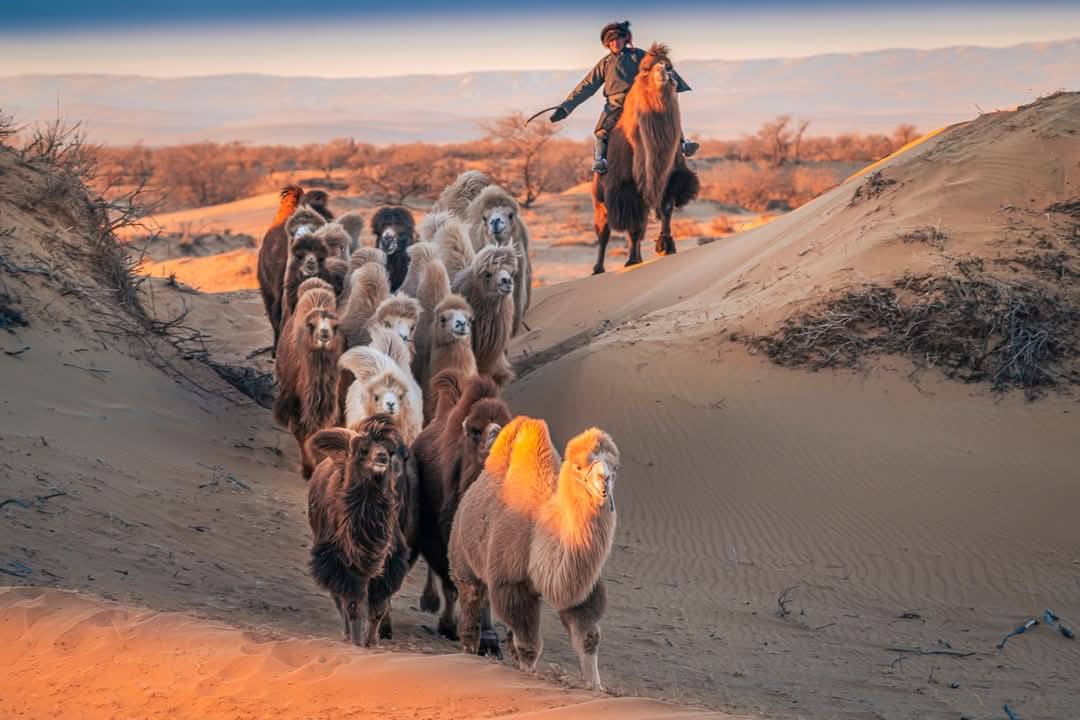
x=862 y=92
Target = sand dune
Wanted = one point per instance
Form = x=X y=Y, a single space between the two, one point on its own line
x=912 y=515
x=69 y=655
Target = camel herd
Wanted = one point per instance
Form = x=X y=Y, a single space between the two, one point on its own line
x=390 y=356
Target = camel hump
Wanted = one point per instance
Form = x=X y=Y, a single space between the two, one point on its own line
x=527 y=463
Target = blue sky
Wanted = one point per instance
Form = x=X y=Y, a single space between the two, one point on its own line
x=200 y=37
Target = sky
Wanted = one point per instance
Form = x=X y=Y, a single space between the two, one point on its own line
x=361 y=39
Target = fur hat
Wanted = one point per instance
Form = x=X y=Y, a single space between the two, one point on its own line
x=614 y=30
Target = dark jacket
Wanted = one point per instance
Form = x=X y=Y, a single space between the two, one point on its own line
x=616 y=73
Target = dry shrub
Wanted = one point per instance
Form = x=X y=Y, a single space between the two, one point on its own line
x=974 y=329
x=874 y=185
x=928 y=234
x=8 y=128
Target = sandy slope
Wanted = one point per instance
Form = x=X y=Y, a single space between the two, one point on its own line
x=876 y=495
x=69 y=655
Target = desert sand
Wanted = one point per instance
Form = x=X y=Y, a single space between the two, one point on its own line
x=913 y=520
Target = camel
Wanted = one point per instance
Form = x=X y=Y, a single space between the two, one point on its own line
x=646 y=171
x=455 y=247
x=353 y=222
x=272 y=256
x=394 y=230
x=357 y=500
x=306 y=367
x=319 y=201
x=494 y=218
x=487 y=284
x=376 y=375
x=449 y=347
x=450 y=454
x=368 y=286
x=535 y=528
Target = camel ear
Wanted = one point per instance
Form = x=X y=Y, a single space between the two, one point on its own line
x=332 y=443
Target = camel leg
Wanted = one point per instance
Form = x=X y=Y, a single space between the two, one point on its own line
x=582 y=622
x=447 y=622
x=356 y=614
x=340 y=604
x=665 y=243
x=429 y=599
x=603 y=234
x=472 y=599
x=635 y=246
x=306 y=465
x=489 y=639
x=520 y=609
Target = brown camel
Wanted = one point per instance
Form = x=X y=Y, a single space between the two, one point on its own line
x=646 y=171
x=533 y=527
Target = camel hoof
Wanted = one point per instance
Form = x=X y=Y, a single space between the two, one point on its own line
x=632 y=261
x=429 y=602
x=597 y=269
x=489 y=644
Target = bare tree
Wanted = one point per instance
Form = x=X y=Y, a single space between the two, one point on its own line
x=333 y=155
x=524 y=172
x=777 y=138
x=797 y=142
x=404 y=171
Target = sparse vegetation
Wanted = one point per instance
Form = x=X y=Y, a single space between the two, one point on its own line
x=973 y=327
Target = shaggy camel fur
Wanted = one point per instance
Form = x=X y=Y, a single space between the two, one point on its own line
x=359 y=258
x=531 y=528
x=456 y=197
x=309 y=257
x=430 y=224
x=399 y=313
x=488 y=286
x=455 y=247
x=369 y=285
x=382 y=385
x=273 y=254
x=306 y=367
x=450 y=346
x=420 y=253
x=357 y=500
x=353 y=222
x=336 y=239
x=494 y=218
x=646 y=171
x=450 y=455
x=394 y=230
x=433 y=287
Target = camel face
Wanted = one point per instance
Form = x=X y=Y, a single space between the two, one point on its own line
x=400 y=326
x=500 y=223
x=393 y=238
x=456 y=323
x=498 y=280
x=387 y=396
x=322 y=326
x=600 y=481
x=660 y=75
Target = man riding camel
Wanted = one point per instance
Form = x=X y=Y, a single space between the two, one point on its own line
x=615 y=72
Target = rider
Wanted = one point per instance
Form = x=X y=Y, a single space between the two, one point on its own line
x=615 y=72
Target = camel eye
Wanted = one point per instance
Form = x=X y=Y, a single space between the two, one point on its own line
x=487 y=274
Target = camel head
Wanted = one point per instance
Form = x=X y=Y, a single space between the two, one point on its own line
x=496 y=270
x=482 y=425
x=398 y=313
x=496 y=211
x=592 y=460
x=303 y=221
x=322 y=328
x=336 y=239
x=309 y=254
x=385 y=394
x=394 y=229
x=372 y=448
x=454 y=319
x=656 y=67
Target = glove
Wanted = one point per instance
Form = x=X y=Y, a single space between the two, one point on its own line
x=559 y=114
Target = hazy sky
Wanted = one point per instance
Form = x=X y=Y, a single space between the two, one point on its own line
x=348 y=39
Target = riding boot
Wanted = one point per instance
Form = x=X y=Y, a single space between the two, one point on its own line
x=599 y=154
